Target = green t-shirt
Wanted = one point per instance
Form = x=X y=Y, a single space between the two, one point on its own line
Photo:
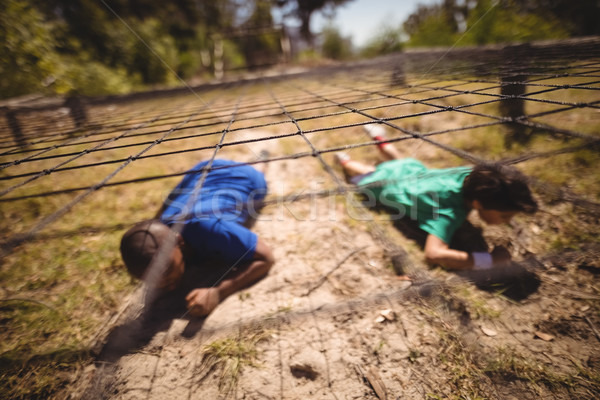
x=432 y=197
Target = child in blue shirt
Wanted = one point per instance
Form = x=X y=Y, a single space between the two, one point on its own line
x=212 y=212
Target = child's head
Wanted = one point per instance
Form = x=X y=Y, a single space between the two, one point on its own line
x=498 y=193
x=141 y=244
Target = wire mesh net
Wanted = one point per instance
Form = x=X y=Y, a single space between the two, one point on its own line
x=100 y=165
x=511 y=105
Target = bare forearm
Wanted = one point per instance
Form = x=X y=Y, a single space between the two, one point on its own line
x=451 y=259
x=438 y=252
x=257 y=270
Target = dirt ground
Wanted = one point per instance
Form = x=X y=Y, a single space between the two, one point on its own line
x=333 y=320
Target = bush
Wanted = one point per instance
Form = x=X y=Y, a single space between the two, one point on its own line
x=335 y=46
x=155 y=56
x=91 y=78
x=389 y=40
x=433 y=31
x=506 y=23
x=27 y=55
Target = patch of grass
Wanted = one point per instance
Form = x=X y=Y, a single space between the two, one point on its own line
x=230 y=355
x=56 y=297
x=37 y=376
x=464 y=375
x=486 y=142
x=510 y=365
x=576 y=171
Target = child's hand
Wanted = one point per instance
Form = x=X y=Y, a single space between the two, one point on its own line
x=202 y=301
x=500 y=256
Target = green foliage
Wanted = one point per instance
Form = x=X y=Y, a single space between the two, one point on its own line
x=308 y=56
x=433 y=25
x=485 y=22
x=232 y=56
x=45 y=373
x=27 y=55
x=304 y=9
x=433 y=31
x=504 y=22
x=92 y=78
x=334 y=45
x=154 y=56
x=93 y=48
x=260 y=46
x=389 y=40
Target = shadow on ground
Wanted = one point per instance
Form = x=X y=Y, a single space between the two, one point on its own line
x=514 y=281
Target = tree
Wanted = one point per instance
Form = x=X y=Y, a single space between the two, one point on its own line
x=506 y=21
x=580 y=17
x=430 y=26
x=27 y=55
x=334 y=45
x=92 y=46
x=304 y=9
x=388 y=40
x=261 y=44
x=477 y=22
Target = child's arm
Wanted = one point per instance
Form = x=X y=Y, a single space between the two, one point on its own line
x=438 y=252
x=202 y=301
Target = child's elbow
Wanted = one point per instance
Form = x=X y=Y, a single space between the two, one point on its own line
x=435 y=250
x=267 y=261
x=432 y=257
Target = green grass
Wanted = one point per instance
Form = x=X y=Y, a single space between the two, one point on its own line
x=509 y=364
x=55 y=299
x=230 y=355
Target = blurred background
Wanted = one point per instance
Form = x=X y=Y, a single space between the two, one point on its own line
x=101 y=47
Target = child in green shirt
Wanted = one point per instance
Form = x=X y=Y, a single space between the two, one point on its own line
x=439 y=200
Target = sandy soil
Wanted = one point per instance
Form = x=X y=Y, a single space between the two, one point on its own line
x=333 y=321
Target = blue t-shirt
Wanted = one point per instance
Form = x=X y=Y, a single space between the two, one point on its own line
x=213 y=214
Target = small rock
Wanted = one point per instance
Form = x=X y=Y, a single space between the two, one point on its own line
x=388 y=314
x=304 y=371
x=488 y=331
x=544 y=336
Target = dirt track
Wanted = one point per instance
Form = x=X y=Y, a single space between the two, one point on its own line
x=315 y=327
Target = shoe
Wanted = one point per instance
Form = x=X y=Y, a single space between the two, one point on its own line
x=375 y=131
x=341 y=157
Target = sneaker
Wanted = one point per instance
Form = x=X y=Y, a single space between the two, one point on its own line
x=375 y=131
x=341 y=157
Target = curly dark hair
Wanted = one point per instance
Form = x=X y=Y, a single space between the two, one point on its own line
x=499 y=188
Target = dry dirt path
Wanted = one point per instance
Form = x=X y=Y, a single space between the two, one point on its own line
x=332 y=321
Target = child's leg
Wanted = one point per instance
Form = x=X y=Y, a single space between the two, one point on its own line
x=388 y=150
x=357 y=168
x=352 y=167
